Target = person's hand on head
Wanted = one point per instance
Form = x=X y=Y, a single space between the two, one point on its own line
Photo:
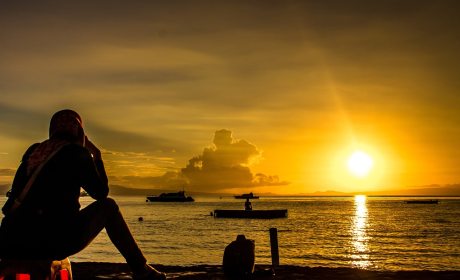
x=93 y=149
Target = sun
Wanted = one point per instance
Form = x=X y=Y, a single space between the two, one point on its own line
x=358 y=167
x=360 y=163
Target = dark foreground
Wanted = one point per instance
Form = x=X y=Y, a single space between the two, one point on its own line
x=93 y=270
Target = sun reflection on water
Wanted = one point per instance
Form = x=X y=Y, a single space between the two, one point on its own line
x=359 y=238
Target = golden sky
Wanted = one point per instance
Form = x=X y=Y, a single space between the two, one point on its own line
x=263 y=96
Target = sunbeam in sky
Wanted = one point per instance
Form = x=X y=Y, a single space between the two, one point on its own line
x=303 y=80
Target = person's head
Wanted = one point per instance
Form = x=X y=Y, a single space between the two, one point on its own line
x=67 y=125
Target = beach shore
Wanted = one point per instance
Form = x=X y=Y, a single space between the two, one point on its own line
x=100 y=270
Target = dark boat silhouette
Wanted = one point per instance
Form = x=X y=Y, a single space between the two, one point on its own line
x=424 y=201
x=171 y=197
x=246 y=195
x=253 y=214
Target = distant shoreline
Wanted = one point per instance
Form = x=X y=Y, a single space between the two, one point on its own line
x=229 y=196
x=422 y=191
x=98 y=270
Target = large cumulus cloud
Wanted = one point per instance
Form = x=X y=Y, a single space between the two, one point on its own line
x=225 y=166
x=222 y=167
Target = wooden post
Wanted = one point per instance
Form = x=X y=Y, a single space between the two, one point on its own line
x=274 y=246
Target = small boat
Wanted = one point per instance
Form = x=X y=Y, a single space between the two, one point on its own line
x=424 y=201
x=251 y=214
x=171 y=197
x=246 y=195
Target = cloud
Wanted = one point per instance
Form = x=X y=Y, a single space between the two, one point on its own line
x=6 y=176
x=142 y=156
x=169 y=180
x=4 y=188
x=122 y=154
x=111 y=139
x=264 y=180
x=225 y=165
x=22 y=123
x=7 y=172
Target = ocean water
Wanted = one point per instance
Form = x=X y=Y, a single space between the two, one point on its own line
x=374 y=233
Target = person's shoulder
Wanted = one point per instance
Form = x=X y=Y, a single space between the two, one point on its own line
x=32 y=148
x=29 y=151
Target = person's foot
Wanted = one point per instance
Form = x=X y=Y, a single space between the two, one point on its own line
x=154 y=275
x=149 y=273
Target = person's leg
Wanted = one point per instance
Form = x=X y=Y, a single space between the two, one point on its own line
x=106 y=214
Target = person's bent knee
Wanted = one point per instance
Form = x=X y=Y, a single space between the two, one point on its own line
x=109 y=203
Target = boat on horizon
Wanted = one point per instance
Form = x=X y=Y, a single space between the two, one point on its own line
x=246 y=195
x=424 y=201
x=171 y=197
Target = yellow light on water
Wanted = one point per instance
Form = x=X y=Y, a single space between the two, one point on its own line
x=359 y=199
x=359 y=237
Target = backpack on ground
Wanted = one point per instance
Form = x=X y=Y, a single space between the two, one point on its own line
x=239 y=257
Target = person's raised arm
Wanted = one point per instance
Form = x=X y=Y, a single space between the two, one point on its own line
x=95 y=152
x=95 y=180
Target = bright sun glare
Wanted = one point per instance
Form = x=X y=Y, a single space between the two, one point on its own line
x=360 y=163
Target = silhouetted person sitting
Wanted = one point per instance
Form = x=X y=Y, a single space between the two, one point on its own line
x=48 y=223
x=247 y=205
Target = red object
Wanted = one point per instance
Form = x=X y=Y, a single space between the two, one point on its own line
x=20 y=276
x=64 y=274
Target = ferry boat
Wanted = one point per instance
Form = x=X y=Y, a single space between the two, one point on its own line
x=170 y=197
x=246 y=195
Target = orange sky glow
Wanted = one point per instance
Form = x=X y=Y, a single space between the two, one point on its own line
x=240 y=96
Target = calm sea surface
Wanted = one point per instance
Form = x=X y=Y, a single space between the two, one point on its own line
x=364 y=232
